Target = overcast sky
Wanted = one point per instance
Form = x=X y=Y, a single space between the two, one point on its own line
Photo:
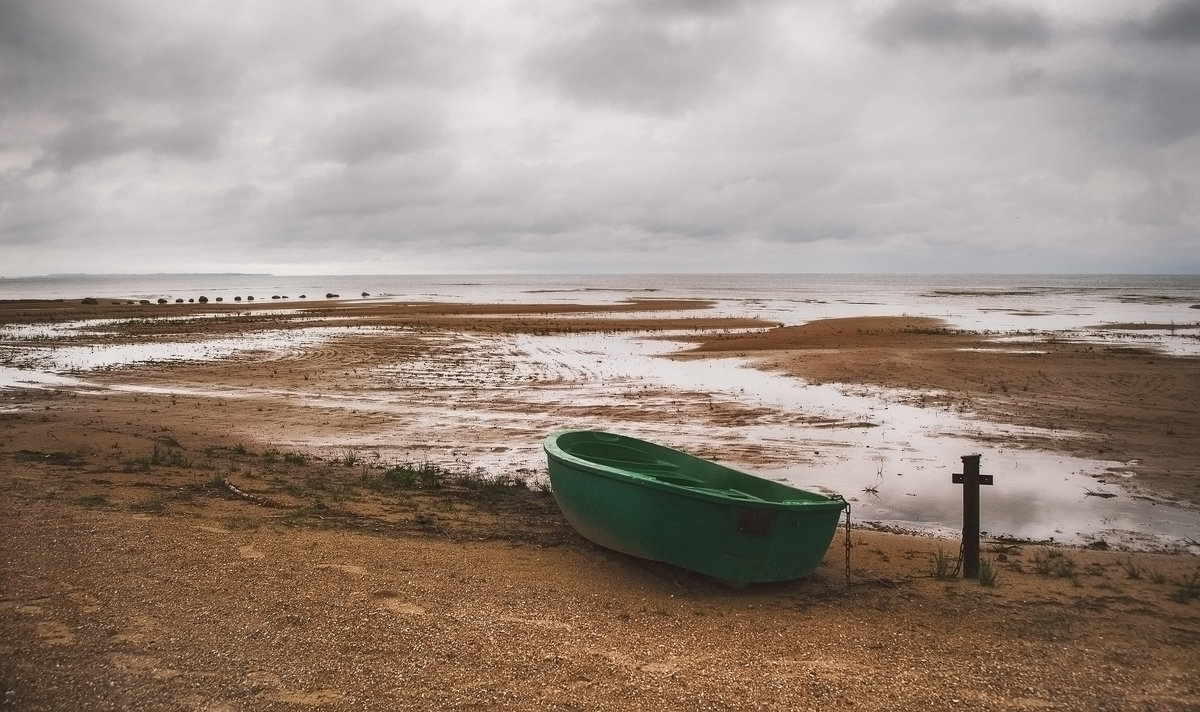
x=378 y=136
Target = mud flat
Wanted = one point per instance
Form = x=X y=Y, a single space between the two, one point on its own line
x=315 y=522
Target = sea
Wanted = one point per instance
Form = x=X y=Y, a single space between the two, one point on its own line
x=896 y=472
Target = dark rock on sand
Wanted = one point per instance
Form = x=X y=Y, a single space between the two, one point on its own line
x=203 y=299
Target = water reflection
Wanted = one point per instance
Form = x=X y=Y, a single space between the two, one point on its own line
x=892 y=460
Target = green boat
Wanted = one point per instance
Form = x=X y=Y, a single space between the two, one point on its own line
x=657 y=503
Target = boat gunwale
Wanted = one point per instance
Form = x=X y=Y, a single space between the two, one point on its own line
x=708 y=493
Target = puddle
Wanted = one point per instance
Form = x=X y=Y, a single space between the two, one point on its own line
x=24 y=378
x=906 y=455
x=827 y=437
x=56 y=358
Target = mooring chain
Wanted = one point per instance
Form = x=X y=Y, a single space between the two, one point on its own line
x=848 y=545
x=846 y=506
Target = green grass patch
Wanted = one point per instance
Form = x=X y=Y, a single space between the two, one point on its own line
x=1132 y=569
x=943 y=565
x=1053 y=562
x=1189 y=588
x=987 y=573
x=160 y=456
x=426 y=475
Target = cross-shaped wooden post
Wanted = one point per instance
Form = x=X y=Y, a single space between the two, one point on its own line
x=970 y=479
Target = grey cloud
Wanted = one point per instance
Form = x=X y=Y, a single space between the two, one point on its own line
x=405 y=50
x=77 y=56
x=1171 y=22
x=95 y=84
x=1163 y=109
x=31 y=217
x=83 y=142
x=49 y=51
x=1134 y=104
x=467 y=134
x=1160 y=205
x=935 y=23
x=385 y=129
x=1026 y=80
x=79 y=143
x=375 y=187
x=657 y=57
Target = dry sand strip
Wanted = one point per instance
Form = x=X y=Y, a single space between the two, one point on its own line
x=153 y=590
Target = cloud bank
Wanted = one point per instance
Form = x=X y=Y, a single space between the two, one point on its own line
x=604 y=135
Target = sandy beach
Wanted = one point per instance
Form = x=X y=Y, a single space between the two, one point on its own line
x=195 y=533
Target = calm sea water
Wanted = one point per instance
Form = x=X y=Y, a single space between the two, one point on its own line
x=509 y=286
x=1001 y=302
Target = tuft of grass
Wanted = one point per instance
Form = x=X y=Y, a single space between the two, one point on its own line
x=409 y=474
x=349 y=457
x=1132 y=570
x=156 y=505
x=241 y=449
x=292 y=488
x=160 y=456
x=500 y=483
x=1052 y=562
x=169 y=456
x=943 y=565
x=987 y=573
x=295 y=458
x=1189 y=588
x=136 y=464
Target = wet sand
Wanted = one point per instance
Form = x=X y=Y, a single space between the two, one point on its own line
x=135 y=576
x=1109 y=403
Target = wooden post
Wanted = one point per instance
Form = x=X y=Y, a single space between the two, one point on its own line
x=970 y=479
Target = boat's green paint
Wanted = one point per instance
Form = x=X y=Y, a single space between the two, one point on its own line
x=658 y=503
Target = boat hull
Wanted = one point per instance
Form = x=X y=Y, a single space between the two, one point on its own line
x=661 y=504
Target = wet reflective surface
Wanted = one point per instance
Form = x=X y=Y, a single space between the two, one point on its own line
x=496 y=396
